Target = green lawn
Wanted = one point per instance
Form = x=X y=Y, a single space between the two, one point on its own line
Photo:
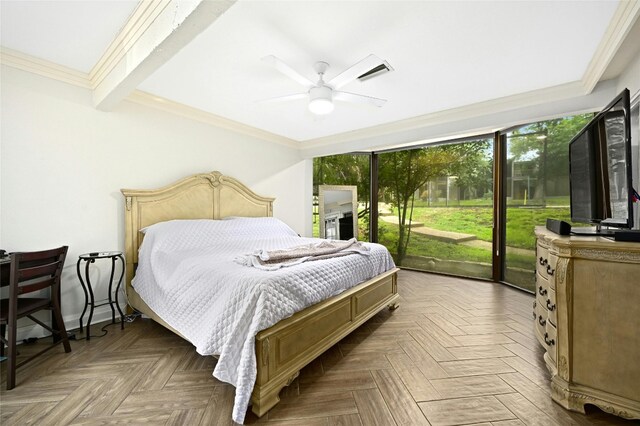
x=479 y=221
x=521 y=221
x=469 y=220
x=420 y=245
x=475 y=218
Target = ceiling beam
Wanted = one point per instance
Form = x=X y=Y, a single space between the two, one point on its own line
x=156 y=31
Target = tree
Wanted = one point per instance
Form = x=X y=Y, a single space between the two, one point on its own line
x=344 y=169
x=402 y=173
x=474 y=172
x=546 y=144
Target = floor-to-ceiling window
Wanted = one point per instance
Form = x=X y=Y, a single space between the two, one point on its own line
x=436 y=207
x=536 y=188
x=436 y=203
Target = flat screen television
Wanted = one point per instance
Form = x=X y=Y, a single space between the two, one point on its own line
x=600 y=171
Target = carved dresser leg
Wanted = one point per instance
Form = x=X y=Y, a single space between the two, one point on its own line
x=394 y=306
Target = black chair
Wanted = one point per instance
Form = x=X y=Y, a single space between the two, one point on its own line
x=31 y=272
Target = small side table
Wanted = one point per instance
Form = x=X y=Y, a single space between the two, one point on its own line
x=90 y=258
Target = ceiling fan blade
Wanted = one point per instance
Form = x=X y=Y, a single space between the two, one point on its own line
x=359 y=99
x=355 y=71
x=288 y=71
x=292 y=97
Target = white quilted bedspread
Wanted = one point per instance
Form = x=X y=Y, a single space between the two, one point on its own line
x=187 y=275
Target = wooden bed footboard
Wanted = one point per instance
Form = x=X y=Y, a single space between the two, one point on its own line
x=284 y=349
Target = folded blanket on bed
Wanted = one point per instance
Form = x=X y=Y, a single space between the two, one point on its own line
x=275 y=259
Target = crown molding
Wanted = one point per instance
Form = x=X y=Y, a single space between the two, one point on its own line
x=466 y=112
x=15 y=59
x=67 y=75
x=135 y=26
x=621 y=23
x=139 y=22
x=147 y=99
x=63 y=74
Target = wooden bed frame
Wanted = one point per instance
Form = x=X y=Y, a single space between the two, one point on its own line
x=285 y=348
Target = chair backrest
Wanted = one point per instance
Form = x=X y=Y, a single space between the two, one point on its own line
x=36 y=270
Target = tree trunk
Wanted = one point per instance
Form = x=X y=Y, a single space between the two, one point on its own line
x=402 y=237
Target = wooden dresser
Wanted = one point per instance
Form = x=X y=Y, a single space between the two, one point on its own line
x=587 y=317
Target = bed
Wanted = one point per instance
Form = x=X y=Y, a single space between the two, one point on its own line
x=283 y=348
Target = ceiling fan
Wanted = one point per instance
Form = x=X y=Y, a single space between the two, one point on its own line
x=321 y=94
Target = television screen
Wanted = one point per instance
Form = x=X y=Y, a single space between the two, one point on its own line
x=582 y=179
x=600 y=168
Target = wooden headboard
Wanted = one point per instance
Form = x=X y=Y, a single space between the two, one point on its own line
x=201 y=196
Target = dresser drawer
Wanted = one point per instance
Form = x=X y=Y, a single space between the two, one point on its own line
x=540 y=322
x=551 y=307
x=550 y=340
x=542 y=290
x=546 y=265
x=542 y=259
x=550 y=270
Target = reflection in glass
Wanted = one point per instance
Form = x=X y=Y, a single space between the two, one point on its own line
x=616 y=158
x=343 y=169
x=338 y=212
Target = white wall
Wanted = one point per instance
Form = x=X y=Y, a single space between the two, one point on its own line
x=630 y=79
x=63 y=163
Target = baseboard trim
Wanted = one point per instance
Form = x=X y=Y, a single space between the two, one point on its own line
x=71 y=323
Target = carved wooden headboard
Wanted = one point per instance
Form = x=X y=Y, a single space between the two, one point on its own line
x=201 y=196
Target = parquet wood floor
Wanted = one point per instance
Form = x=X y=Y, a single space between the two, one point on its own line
x=456 y=352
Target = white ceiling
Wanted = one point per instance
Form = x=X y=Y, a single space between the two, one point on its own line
x=446 y=54
x=70 y=33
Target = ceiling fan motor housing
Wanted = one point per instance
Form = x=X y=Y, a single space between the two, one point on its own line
x=321 y=92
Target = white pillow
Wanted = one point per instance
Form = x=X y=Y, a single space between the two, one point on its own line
x=198 y=233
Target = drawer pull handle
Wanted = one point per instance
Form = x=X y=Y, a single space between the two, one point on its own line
x=542 y=291
x=541 y=321
x=550 y=271
x=543 y=261
x=534 y=315
x=550 y=306
x=549 y=342
x=534 y=304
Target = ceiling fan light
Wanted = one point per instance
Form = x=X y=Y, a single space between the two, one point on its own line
x=321 y=106
x=320 y=100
